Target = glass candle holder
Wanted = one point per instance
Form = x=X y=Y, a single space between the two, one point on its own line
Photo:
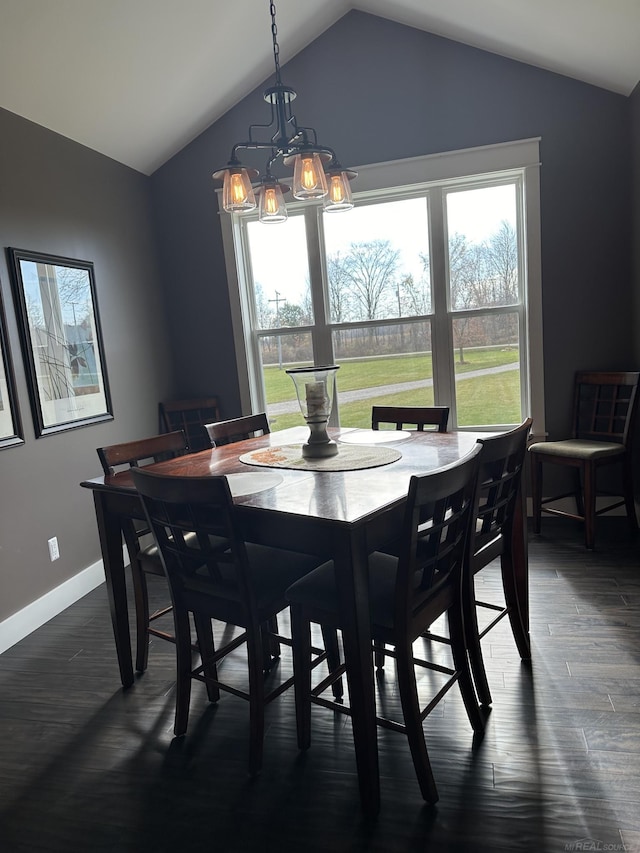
x=315 y=389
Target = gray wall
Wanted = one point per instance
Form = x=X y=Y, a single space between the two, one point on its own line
x=379 y=91
x=61 y=198
x=375 y=91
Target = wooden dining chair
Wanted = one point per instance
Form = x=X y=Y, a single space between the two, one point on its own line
x=191 y=416
x=243 y=586
x=499 y=500
x=407 y=594
x=415 y=416
x=502 y=460
x=604 y=410
x=237 y=429
x=144 y=557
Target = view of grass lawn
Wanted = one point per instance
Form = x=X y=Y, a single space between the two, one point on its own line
x=488 y=399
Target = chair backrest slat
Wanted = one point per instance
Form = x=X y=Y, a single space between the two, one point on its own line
x=176 y=508
x=438 y=521
x=143 y=450
x=415 y=416
x=191 y=416
x=238 y=429
x=499 y=483
x=605 y=405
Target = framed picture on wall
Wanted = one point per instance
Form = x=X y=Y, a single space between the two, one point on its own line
x=10 y=425
x=56 y=305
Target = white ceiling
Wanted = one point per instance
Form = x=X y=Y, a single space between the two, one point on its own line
x=138 y=79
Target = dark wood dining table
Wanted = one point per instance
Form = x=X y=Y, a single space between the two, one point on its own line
x=342 y=515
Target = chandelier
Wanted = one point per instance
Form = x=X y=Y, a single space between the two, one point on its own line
x=316 y=170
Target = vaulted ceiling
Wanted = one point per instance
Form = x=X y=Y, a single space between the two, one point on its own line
x=138 y=79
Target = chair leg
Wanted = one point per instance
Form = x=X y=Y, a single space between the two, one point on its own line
x=518 y=627
x=265 y=639
x=256 y=699
x=301 y=645
x=378 y=654
x=330 y=640
x=461 y=664
x=474 y=649
x=536 y=491
x=182 y=628
x=270 y=644
x=413 y=721
x=141 y=601
x=629 y=499
x=577 y=491
x=206 y=646
x=589 y=505
x=274 y=644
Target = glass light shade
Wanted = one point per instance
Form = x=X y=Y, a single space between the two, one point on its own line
x=309 y=180
x=237 y=192
x=315 y=389
x=272 y=207
x=339 y=195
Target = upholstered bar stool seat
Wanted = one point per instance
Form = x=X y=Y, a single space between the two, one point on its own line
x=604 y=411
x=578 y=449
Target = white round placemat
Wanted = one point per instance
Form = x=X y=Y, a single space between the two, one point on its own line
x=349 y=458
x=252 y=482
x=374 y=436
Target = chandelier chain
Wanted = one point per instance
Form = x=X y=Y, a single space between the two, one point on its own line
x=314 y=165
x=276 y=46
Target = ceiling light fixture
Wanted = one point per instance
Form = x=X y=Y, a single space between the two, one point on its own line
x=316 y=170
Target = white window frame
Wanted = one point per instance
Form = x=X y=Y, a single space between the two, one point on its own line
x=437 y=173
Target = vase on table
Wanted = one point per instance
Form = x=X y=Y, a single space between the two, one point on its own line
x=315 y=389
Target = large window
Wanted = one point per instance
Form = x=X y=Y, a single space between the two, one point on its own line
x=423 y=293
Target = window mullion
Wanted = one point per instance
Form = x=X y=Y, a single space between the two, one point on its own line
x=443 y=368
x=321 y=333
x=531 y=258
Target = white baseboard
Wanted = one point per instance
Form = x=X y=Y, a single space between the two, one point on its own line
x=22 y=623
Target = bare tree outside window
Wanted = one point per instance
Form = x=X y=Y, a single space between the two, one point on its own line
x=370 y=270
x=377 y=292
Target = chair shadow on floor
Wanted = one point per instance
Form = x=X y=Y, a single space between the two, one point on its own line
x=89 y=766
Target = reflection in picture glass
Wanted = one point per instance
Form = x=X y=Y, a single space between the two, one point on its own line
x=62 y=338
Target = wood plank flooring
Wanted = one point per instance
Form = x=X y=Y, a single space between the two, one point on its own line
x=86 y=766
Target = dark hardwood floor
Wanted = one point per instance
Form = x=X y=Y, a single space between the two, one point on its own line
x=86 y=766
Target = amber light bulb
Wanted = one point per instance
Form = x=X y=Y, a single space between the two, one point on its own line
x=336 y=189
x=237 y=192
x=270 y=202
x=309 y=176
x=309 y=180
x=272 y=207
x=339 y=196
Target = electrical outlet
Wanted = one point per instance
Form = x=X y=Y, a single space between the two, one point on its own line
x=54 y=551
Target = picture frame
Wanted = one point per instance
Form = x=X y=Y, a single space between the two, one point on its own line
x=10 y=424
x=61 y=338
